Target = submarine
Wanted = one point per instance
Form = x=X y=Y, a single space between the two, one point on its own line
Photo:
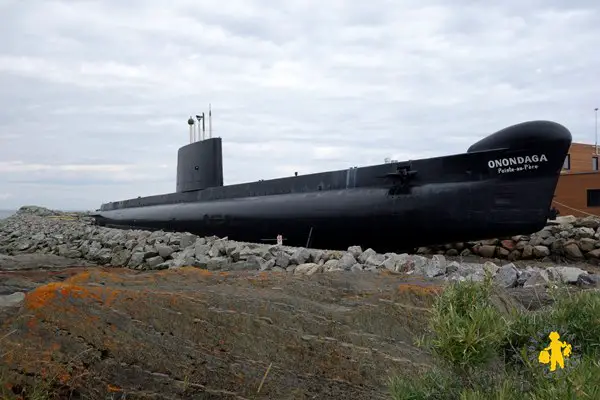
x=503 y=185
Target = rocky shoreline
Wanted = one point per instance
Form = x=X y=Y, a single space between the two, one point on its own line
x=73 y=236
x=159 y=314
x=567 y=238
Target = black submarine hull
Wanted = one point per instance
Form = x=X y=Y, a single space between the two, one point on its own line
x=502 y=186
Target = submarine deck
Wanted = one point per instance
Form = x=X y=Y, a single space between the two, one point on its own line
x=445 y=169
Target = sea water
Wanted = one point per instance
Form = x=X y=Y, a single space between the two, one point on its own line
x=6 y=213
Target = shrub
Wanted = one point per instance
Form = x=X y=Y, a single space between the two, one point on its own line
x=466 y=329
x=488 y=355
x=579 y=314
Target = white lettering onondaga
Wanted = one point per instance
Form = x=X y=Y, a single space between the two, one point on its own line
x=520 y=163
x=509 y=161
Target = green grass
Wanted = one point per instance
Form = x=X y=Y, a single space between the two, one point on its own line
x=483 y=353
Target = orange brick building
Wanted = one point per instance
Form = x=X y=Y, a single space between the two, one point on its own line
x=578 y=190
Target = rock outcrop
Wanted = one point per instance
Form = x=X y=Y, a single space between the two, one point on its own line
x=33 y=230
x=190 y=333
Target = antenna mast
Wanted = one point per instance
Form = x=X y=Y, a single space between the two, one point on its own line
x=198 y=118
x=596 y=130
x=195 y=132
x=209 y=121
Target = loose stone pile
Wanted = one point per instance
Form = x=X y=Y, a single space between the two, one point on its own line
x=566 y=238
x=35 y=229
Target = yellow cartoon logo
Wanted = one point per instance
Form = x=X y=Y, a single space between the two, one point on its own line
x=555 y=353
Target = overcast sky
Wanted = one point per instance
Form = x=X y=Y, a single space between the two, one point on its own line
x=95 y=95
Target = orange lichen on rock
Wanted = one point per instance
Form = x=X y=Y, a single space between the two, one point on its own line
x=79 y=278
x=420 y=290
x=113 y=388
x=216 y=330
x=119 y=276
x=203 y=272
x=64 y=378
x=54 y=291
x=42 y=295
x=31 y=323
x=264 y=275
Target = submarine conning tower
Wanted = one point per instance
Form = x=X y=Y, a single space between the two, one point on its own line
x=200 y=165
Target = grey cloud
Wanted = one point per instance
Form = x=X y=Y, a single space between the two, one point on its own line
x=301 y=85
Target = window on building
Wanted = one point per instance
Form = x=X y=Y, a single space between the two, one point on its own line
x=567 y=162
x=594 y=163
x=593 y=198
